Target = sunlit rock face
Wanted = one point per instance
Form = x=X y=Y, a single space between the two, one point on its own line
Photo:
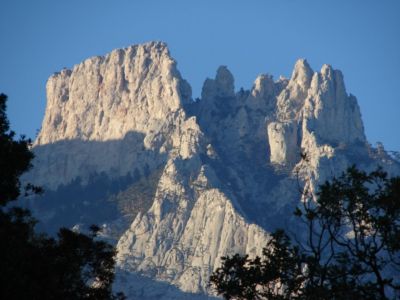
x=105 y=97
x=201 y=179
x=120 y=106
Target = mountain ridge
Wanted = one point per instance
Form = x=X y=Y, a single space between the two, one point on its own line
x=229 y=165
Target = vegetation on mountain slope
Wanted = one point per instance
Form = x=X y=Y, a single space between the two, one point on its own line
x=350 y=247
x=34 y=266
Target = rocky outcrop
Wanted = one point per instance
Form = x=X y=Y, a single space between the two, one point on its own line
x=226 y=168
x=314 y=116
x=131 y=98
x=190 y=226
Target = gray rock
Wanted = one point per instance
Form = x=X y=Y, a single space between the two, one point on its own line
x=230 y=163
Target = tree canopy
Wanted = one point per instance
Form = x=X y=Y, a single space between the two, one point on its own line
x=33 y=265
x=349 y=247
x=15 y=158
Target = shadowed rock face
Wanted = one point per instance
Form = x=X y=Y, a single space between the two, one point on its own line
x=209 y=178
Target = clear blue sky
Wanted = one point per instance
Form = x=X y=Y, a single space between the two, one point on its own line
x=362 y=38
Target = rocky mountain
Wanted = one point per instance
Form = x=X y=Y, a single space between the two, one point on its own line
x=178 y=183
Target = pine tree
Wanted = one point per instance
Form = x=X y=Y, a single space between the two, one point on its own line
x=33 y=265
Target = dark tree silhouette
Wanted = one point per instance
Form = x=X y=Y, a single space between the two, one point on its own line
x=350 y=248
x=34 y=266
x=275 y=276
x=15 y=158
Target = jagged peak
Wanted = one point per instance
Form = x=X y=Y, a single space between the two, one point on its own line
x=331 y=75
x=264 y=78
x=153 y=48
x=222 y=86
x=110 y=89
x=222 y=73
x=282 y=78
x=65 y=72
x=302 y=73
x=327 y=71
x=156 y=44
x=263 y=86
x=225 y=82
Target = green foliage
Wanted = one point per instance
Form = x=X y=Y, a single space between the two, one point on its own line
x=15 y=158
x=34 y=266
x=138 y=196
x=350 y=248
x=279 y=269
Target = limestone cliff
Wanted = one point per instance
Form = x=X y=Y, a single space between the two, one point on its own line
x=130 y=97
x=210 y=177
